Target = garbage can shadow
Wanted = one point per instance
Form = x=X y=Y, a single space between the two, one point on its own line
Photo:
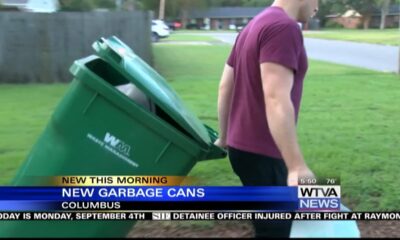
x=96 y=130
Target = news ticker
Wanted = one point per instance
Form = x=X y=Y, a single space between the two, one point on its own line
x=199 y=216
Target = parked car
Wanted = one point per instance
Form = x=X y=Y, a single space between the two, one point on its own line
x=174 y=25
x=159 y=30
x=240 y=27
x=192 y=26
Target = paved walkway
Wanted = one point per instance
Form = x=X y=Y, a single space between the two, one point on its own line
x=371 y=56
x=364 y=55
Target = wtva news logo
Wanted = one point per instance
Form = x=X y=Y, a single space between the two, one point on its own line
x=319 y=198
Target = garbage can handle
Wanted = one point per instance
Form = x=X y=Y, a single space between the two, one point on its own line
x=214 y=152
x=101 y=47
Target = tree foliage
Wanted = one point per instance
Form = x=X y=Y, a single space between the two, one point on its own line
x=86 y=5
x=175 y=8
x=180 y=8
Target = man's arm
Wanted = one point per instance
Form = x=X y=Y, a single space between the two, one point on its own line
x=277 y=82
x=224 y=103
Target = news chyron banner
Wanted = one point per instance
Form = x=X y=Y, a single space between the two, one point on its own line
x=158 y=198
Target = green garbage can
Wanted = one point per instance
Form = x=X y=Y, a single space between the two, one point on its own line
x=96 y=130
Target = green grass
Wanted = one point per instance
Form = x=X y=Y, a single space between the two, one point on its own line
x=24 y=112
x=203 y=31
x=187 y=37
x=348 y=125
x=386 y=37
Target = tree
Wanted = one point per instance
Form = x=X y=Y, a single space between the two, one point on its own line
x=181 y=8
x=384 y=5
x=150 y=5
x=189 y=5
x=108 y=4
x=76 y=5
x=161 y=14
x=241 y=3
x=86 y=5
x=328 y=7
x=365 y=7
x=130 y=5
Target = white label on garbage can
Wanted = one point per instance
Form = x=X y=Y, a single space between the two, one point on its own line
x=115 y=146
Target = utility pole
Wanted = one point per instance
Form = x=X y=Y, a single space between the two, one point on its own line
x=161 y=14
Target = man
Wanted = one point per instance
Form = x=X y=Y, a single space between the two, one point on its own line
x=259 y=101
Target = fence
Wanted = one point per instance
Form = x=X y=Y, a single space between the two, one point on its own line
x=40 y=48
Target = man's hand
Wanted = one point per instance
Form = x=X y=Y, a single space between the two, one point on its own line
x=221 y=143
x=295 y=174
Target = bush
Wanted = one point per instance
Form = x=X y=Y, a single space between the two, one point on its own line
x=333 y=24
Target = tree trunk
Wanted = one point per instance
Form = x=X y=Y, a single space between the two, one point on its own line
x=130 y=6
x=383 y=20
x=184 y=18
x=384 y=12
x=366 y=22
x=184 y=13
x=161 y=14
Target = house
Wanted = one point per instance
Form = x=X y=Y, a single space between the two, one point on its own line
x=350 y=19
x=44 y=6
x=9 y=5
x=222 y=17
x=230 y=18
x=392 y=18
x=353 y=19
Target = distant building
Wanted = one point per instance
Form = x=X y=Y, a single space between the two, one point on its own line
x=350 y=19
x=45 y=6
x=353 y=19
x=230 y=18
x=222 y=17
x=392 y=18
x=8 y=5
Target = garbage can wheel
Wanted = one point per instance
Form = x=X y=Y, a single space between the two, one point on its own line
x=155 y=37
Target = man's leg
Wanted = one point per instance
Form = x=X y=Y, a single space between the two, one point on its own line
x=258 y=170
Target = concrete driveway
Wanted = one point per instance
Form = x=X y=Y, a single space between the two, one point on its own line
x=370 y=56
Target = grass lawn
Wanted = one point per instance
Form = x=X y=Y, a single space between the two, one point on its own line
x=24 y=112
x=184 y=31
x=348 y=126
x=187 y=37
x=386 y=37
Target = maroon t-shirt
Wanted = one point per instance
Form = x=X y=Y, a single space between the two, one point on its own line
x=272 y=36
